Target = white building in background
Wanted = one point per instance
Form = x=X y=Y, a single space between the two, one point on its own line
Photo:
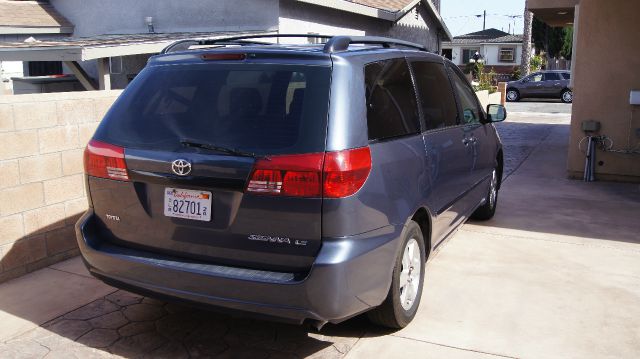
x=104 y=44
x=499 y=50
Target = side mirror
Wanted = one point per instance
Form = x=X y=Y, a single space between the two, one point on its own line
x=496 y=113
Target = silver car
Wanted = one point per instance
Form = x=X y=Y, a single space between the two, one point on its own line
x=543 y=84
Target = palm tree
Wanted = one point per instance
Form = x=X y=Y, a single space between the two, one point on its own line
x=526 y=43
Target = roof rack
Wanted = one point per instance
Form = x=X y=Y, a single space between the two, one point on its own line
x=333 y=43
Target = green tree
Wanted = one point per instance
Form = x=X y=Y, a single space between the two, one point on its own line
x=552 y=40
x=567 y=46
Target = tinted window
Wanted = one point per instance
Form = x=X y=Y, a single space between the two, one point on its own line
x=534 y=78
x=266 y=109
x=552 y=76
x=391 y=102
x=435 y=95
x=467 y=98
x=566 y=75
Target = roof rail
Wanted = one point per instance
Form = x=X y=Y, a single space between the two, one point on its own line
x=333 y=44
x=341 y=43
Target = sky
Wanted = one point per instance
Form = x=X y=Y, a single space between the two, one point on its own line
x=459 y=15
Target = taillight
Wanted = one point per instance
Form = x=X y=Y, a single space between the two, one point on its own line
x=289 y=175
x=105 y=161
x=332 y=174
x=346 y=171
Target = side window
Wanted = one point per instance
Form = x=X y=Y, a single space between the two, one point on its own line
x=391 y=100
x=435 y=95
x=467 y=98
x=552 y=76
x=535 y=78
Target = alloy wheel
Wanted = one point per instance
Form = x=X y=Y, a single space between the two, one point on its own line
x=410 y=274
x=493 y=190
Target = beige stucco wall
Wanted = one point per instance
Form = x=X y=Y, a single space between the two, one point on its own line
x=42 y=137
x=607 y=67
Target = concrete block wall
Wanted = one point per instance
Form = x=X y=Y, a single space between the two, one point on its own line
x=42 y=194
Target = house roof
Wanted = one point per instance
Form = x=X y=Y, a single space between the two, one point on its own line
x=95 y=47
x=388 y=5
x=31 y=17
x=487 y=36
x=390 y=10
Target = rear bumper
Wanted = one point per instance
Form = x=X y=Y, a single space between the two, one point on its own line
x=350 y=275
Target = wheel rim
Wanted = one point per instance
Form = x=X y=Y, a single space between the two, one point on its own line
x=493 y=190
x=567 y=96
x=512 y=95
x=410 y=274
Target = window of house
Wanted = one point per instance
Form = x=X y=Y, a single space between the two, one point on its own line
x=44 y=68
x=468 y=100
x=435 y=95
x=507 y=54
x=390 y=99
x=314 y=40
x=467 y=54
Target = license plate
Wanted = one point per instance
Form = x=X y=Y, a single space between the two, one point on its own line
x=188 y=204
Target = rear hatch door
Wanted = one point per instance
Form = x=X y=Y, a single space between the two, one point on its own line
x=192 y=133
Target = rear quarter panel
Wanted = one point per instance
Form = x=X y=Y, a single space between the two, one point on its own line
x=395 y=188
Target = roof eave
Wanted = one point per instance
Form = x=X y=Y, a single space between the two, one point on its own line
x=364 y=10
x=434 y=12
x=354 y=8
x=35 y=30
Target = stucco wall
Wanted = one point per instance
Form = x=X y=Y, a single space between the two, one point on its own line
x=298 y=17
x=606 y=69
x=124 y=16
x=42 y=137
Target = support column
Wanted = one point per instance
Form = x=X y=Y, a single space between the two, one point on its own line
x=104 y=78
x=86 y=81
x=574 y=42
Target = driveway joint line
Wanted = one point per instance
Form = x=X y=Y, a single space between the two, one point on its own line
x=454 y=347
x=555 y=241
x=64 y=271
x=533 y=149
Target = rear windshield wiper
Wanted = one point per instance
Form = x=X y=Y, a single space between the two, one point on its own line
x=227 y=150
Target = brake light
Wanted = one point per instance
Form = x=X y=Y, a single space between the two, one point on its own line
x=346 y=171
x=223 y=57
x=332 y=174
x=105 y=161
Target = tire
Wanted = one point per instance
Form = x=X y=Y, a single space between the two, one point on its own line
x=488 y=209
x=566 y=96
x=403 y=299
x=513 y=95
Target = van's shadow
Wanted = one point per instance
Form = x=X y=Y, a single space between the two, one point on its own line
x=132 y=326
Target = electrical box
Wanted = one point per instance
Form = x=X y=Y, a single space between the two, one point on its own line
x=634 y=97
x=590 y=126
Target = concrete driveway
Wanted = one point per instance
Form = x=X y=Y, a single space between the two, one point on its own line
x=554 y=275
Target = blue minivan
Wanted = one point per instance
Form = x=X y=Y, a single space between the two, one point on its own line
x=305 y=183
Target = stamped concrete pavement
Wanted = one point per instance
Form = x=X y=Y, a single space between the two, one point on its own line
x=553 y=275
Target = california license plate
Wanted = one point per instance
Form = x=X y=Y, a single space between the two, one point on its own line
x=188 y=204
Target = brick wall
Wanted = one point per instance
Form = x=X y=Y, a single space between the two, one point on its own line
x=42 y=194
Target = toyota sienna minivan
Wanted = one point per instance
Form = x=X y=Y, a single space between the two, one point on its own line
x=305 y=183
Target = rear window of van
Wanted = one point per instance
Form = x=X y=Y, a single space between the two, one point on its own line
x=265 y=109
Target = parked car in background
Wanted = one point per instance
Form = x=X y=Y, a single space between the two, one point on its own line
x=543 y=84
x=308 y=183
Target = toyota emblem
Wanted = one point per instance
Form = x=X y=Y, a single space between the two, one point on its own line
x=181 y=167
